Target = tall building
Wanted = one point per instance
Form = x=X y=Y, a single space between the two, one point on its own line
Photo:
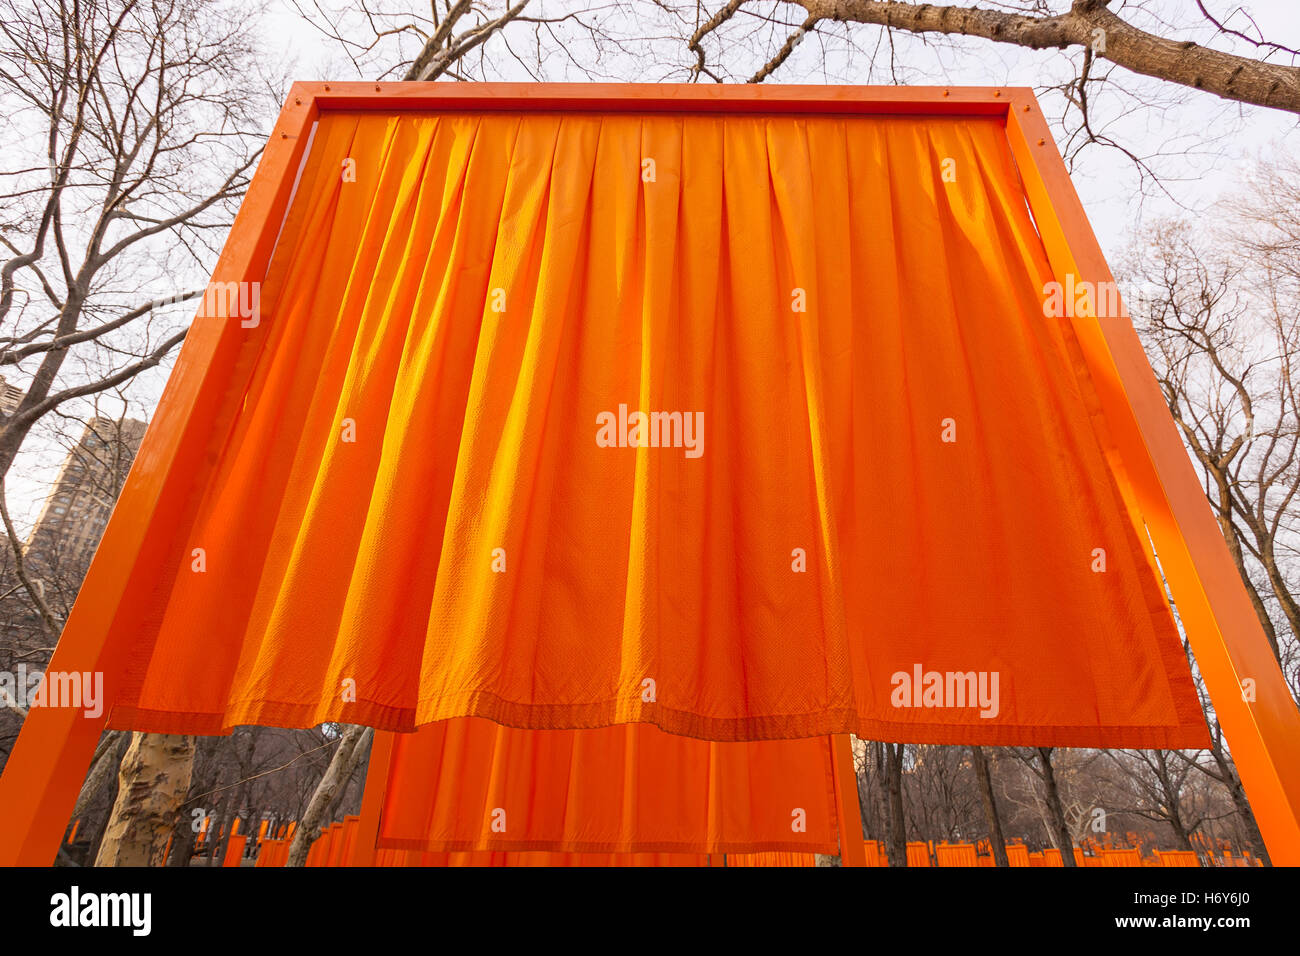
x=9 y=399
x=70 y=525
x=10 y=396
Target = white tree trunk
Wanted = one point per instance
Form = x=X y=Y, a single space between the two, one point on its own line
x=152 y=784
x=353 y=745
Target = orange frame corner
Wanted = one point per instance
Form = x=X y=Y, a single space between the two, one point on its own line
x=45 y=770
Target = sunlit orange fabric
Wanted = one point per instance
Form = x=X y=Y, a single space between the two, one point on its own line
x=490 y=286
x=630 y=788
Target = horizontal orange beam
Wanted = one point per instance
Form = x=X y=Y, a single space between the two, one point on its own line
x=657 y=97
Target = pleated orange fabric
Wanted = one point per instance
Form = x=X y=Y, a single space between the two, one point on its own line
x=772 y=859
x=470 y=784
x=541 y=859
x=956 y=854
x=746 y=427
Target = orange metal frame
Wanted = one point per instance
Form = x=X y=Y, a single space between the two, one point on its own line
x=49 y=760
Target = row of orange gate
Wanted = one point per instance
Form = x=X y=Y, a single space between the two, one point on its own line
x=335 y=843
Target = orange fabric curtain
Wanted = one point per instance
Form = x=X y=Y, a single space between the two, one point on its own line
x=470 y=784
x=718 y=423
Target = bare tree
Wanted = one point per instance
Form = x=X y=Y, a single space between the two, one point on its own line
x=1224 y=339
x=1160 y=791
x=353 y=747
x=1215 y=308
x=997 y=842
x=895 y=822
x=475 y=39
x=1039 y=761
x=1088 y=25
x=147 y=130
x=154 y=777
x=133 y=126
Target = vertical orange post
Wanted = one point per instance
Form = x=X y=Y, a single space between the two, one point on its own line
x=235 y=850
x=337 y=837
x=853 y=851
x=320 y=848
x=1220 y=622
x=362 y=851
x=49 y=760
x=349 y=839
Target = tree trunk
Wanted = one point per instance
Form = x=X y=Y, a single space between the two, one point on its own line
x=996 y=840
x=1171 y=799
x=101 y=780
x=353 y=745
x=1281 y=589
x=203 y=783
x=182 y=840
x=1224 y=512
x=103 y=767
x=1232 y=77
x=154 y=779
x=880 y=795
x=863 y=782
x=1054 y=809
x=1176 y=824
x=1230 y=780
x=897 y=823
